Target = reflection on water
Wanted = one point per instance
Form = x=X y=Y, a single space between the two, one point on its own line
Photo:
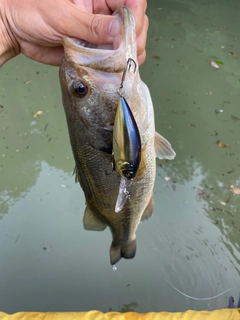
x=48 y=262
x=130 y=307
x=27 y=140
x=213 y=192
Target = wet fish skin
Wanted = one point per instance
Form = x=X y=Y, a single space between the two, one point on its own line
x=90 y=115
x=126 y=141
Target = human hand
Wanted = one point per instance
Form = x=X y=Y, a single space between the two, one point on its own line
x=36 y=28
x=138 y=8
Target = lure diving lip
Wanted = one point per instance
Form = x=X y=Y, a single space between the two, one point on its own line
x=123 y=194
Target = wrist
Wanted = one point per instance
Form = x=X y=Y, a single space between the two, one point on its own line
x=7 y=50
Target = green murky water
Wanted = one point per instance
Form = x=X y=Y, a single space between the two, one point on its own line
x=48 y=262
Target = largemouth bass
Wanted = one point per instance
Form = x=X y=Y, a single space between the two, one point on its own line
x=90 y=76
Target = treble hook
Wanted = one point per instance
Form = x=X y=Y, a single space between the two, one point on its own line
x=128 y=67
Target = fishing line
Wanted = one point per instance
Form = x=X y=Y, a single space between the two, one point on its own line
x=182 y=293
x=195 y=298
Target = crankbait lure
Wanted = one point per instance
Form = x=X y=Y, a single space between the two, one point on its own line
x=126 y=144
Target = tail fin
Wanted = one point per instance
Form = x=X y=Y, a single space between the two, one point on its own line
x=127 y=252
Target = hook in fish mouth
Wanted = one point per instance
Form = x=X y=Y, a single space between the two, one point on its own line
x=128 y=67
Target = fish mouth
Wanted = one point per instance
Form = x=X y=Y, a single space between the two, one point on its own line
x=88 y=45
x=107 y=57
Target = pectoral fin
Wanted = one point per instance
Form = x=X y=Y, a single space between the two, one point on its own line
x=148 y=211
x=163 y=148
x=90 y=222
x=82 y=179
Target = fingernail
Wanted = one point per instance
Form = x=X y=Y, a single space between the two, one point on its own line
x=114 y=27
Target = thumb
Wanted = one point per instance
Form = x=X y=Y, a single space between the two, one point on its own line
x=95 y=28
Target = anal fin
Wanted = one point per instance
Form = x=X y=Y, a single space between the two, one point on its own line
x=163 y=148
x=90 y=222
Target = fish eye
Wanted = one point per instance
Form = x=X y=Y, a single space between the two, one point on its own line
x=80 y=89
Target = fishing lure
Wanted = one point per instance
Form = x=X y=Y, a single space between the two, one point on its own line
x=126 y=143
x=126 y=136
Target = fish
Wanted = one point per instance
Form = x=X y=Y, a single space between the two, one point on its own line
x=90 y=76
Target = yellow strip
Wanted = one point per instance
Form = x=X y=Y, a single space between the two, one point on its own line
x=222 y=314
